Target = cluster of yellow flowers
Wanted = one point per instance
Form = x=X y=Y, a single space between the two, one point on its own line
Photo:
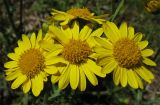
x=72 y=52
x=153 y=6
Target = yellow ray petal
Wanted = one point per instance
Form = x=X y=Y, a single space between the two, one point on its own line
x=13 y=75
x=123 y=78
x=102 y=52
x=99 y=49
x=149 y=62
x=108 y=68
x=82 y=80
x=75 y=30
x=48 y=36
x=64 y=79
x=105 y=61
x=26 y=86
x=148 y=73
x=56 y=11
x=91 y=76
x=59 y=17
x=65 y=22
x=67 y=31
x=20 y=43
x=111 y=31
x=37 y=85
x=132 y=81
x=55 y=78
x=13 y=56
x=22 y=47
x=33 y=40
x=113 y=26
x=117 y=75
x=44 y=76
x=26 y=41
x=92 y=66
x=90 y=40
x=62 y=68
x=58 y=34
x=93 y=56
x=49 y=46
x=52 y=54
x=130 y=32
x=147 y=52
x=18 y=81
x=99 y=21
x=85 y=32
x=142 y=74
x=138 y=37
x=9 y=71
x=98 y=32
x=123 y=29
x=11 y=64
x=51 y=70
x=19 y=50
x=140 y=83
x=74 y=76
x=105 y=43
x=39 y=38
x=142 y=44
x=55 y=59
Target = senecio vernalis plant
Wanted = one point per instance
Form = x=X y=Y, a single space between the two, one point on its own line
x=71 y=52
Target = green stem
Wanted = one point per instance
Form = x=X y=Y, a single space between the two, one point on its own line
x=156 y=57
x=117 y=10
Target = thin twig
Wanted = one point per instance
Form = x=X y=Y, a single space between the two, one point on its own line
x=21 y=18
x=10 y=16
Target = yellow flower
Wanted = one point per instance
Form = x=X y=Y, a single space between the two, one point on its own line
x=153 y=5
x=77 y=55
x=124 y=53
x=74 y=13
x=30 y=64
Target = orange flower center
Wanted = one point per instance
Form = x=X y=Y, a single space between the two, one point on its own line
x=31 y=62
x=79 y=12
x=76 y=51
x=127 y=53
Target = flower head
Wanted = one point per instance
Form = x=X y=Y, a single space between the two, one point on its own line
x=153 y=6
x=124 y=53
x=77 y=55
x=74 y=13
x=30 y=64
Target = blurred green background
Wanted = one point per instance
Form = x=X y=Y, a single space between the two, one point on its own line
x=26 y=16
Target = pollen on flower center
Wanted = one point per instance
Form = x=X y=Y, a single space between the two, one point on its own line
x=79 y=12
x=31 y=62
x=127 y=53
x=76 y=51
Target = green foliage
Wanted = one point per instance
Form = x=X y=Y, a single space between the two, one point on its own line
x=105 y=93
